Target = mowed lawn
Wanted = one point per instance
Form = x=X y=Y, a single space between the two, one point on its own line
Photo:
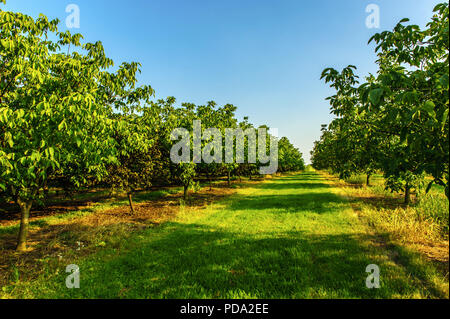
x=288 y=237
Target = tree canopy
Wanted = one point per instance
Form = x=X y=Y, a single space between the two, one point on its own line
x=397 y=120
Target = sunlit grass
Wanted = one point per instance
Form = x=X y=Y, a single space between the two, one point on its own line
x=288 y=237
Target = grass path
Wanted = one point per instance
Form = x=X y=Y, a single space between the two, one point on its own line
x=288 y=237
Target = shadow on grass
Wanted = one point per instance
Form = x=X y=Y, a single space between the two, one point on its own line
x=302 y=198
x=292 y=185
x=145 y=196
x=177 y=260
x=307 y=181
x=195 y=261
x=317 y=202
x=13 y=229
x=304 y=177
x=62 y=207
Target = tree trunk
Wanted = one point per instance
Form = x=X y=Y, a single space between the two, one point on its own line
x=228 y=179
x=130 y=201
x=25 y=207
x=240 y=180
x=407 y=194
x=368 y=180
x=185 y=194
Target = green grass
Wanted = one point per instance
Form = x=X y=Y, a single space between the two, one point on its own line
x=288 y=237
x=434 y=207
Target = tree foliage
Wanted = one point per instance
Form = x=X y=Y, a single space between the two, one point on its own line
x=67 y=119
x=397 y=120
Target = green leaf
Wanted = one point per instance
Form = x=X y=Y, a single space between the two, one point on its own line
x=444 y=118
x=429 y=187
x=61 y=125
x=444 y=80
x=429 y=108
x=375 y=96
x=51 y=151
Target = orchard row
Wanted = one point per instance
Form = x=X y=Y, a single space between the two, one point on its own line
x=67 y=120
x=396 y=121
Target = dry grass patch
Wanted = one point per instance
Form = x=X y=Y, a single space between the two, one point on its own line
x=405 y=225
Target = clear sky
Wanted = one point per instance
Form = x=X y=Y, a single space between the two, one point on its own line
x=264 y=56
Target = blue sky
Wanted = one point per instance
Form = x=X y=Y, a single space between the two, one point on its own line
x=263 y=56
